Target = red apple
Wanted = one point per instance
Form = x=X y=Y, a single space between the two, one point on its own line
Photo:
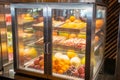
x=76 y=73
x=81 y=70
x=37 y=66
x=36 y=62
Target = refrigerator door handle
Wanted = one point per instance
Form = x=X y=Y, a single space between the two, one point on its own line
x=46 y=47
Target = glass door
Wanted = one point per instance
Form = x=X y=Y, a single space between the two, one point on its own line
x=9 y=32
x=99 y=38
x=69 y=36
x=28 y=35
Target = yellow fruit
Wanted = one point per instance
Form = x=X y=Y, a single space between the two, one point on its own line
x=71 y=54
x=83 y=61
x=64 y=34
x=65 y=25
x=71 y=25
x=28 y=18
x=66 y=66
x=81 y=25
x=72 y=35
x=10 y=49
x=72 y=18
x=28 y=15
x=77 y=21
x=81 y=36
x=30 y=52
x=70 y=50
x=67 y=21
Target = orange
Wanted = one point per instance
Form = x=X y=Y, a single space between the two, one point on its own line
x=99 y=23
x=72 y=18
x=54 y=70
x=60 y=71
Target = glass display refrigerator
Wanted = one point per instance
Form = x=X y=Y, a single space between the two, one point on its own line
x=59 y=40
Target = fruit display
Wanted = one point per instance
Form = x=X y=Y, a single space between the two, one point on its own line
x=74 y=23
x=75 y=42
x=58 y=39
x=68 y=63
x=27 y=17
x=60 y=63
x=78 y=43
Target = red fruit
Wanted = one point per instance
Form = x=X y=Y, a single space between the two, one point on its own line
x=37 y=66
x=82 y=75
x=76 y=73
x=81 y=70
x=36 y=62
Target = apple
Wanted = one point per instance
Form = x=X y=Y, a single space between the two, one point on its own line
x=36 y=62
x=37 y=66
x=76 y=73
x=81 y=70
